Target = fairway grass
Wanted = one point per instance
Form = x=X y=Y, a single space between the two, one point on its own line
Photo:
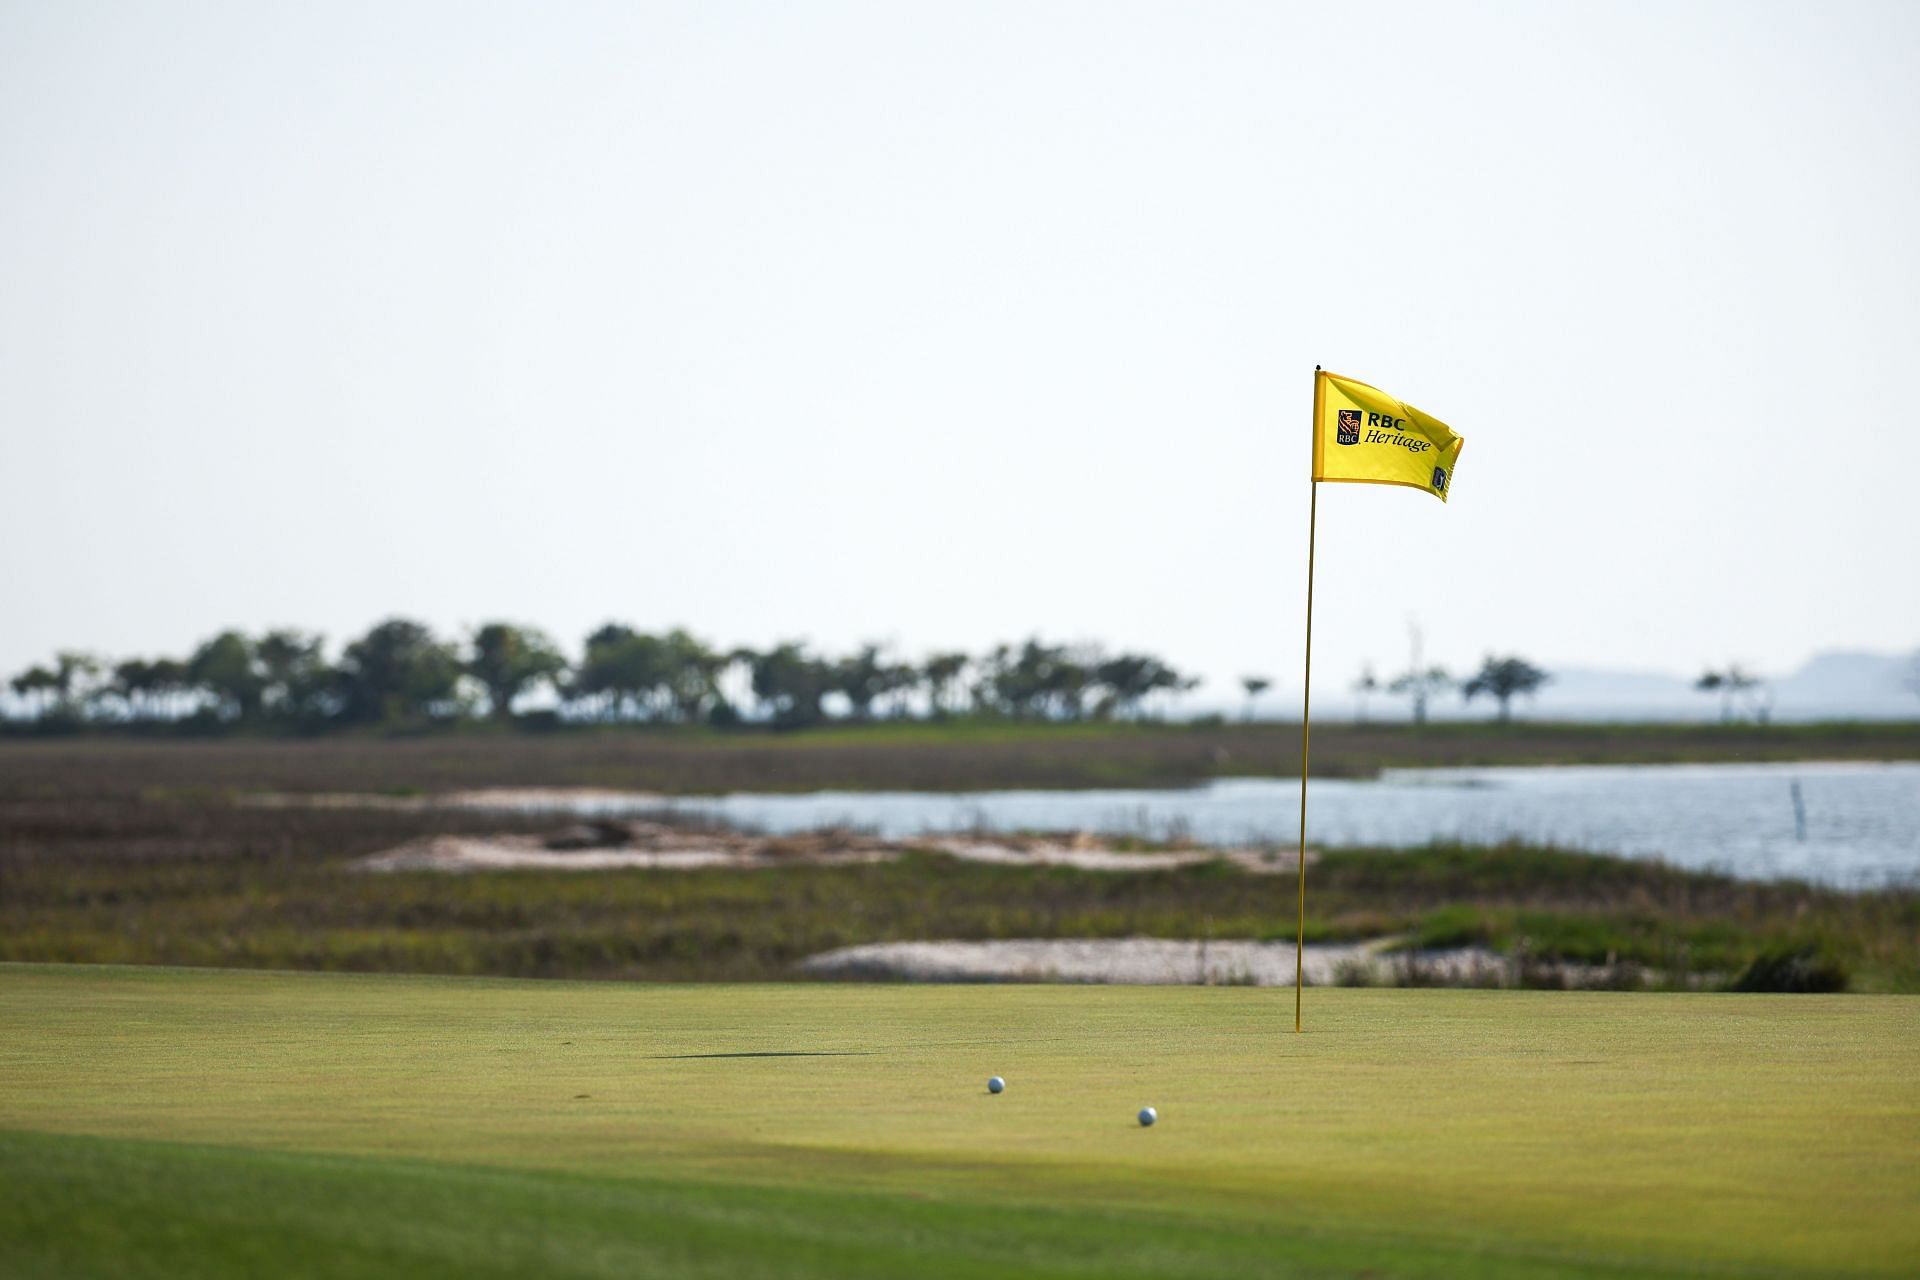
x=165 y=1121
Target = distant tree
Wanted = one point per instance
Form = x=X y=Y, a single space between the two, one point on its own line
x=1071 y=678
x=1043 y=681
x=1420 y=685
x=1255 y=686
x=169 y=683
x=1014 y=681
x=862 y=678
x=225 y=669
x=37 y=687
x=132 y=683
x=398 y=671
x=1419 y=682
x=942 y=673
x=147 y=690
x=1912 y=676
x=623 y=672
x=63 y=692
x=1501 y=679
x=508 y=660
x=296 y=682
x=691 y=673
x=1710 y=682
x=1365 y=686
x=898 y=681
x=1119 y=684
x=1124 y=683
x=1169 y=681
x=1011 y=682
x=723 y=712
x=792 y=684
x=75 y=675
x=1732 y=685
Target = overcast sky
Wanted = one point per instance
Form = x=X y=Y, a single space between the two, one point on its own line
x=943 y=324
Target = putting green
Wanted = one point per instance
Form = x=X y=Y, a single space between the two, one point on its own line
x=158 y=1120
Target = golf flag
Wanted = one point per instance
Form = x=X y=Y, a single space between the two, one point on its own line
x=1363 y=435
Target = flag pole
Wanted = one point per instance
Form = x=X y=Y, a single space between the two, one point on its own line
x=1306 y=718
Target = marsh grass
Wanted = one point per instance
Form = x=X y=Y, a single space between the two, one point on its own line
x=199 y=881
x=944 y=756
x=138 y=853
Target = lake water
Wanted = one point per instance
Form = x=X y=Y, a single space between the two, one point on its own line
x=1857 y=824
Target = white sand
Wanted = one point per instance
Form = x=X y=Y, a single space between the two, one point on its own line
x=1090 y=856
x=1146 y=961
x=652 y=846
x=521 y=853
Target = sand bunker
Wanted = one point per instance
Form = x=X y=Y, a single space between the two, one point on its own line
x=607 y=845
x=1086 y=852
x=610 y=844
x=1173 y=962
x=489 y=799
x=1143 y=961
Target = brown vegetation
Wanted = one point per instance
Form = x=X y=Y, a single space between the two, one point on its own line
x=957 y=756
x=130 y=853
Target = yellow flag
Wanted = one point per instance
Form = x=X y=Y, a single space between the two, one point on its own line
x=1363 y=435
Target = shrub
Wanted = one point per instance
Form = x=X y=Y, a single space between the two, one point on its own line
x=1800 y=970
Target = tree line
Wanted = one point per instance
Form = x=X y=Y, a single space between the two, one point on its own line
x=1500 y=679
x=401 y=673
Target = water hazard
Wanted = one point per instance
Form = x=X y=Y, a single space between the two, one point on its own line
x=1847 y=824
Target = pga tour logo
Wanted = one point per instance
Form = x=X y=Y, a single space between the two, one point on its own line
x=1439 y=479
x=1347 y=431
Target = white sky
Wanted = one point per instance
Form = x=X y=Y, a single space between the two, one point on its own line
x=948 y=324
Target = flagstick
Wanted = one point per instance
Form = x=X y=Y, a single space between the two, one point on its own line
x=1306 y=710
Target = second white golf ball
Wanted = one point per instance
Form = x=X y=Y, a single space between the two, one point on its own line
x=1147 y=1116
x=995 y=1084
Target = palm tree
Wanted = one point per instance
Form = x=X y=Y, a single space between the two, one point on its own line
x=1730 y=684
x=1255 y=686
x=1502 y=678
x=1366 y=684
x=1420 y=681
x=1420 y=685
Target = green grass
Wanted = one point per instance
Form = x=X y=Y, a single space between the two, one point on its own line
x=165 y=1122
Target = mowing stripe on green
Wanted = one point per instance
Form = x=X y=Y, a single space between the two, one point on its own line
x=847 y=1130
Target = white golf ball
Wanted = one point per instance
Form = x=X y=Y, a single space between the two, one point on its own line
x=996 y=1084
x=1147 y=1116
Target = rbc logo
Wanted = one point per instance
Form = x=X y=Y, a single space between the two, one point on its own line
x=1440 y=479
x=1347 y=430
